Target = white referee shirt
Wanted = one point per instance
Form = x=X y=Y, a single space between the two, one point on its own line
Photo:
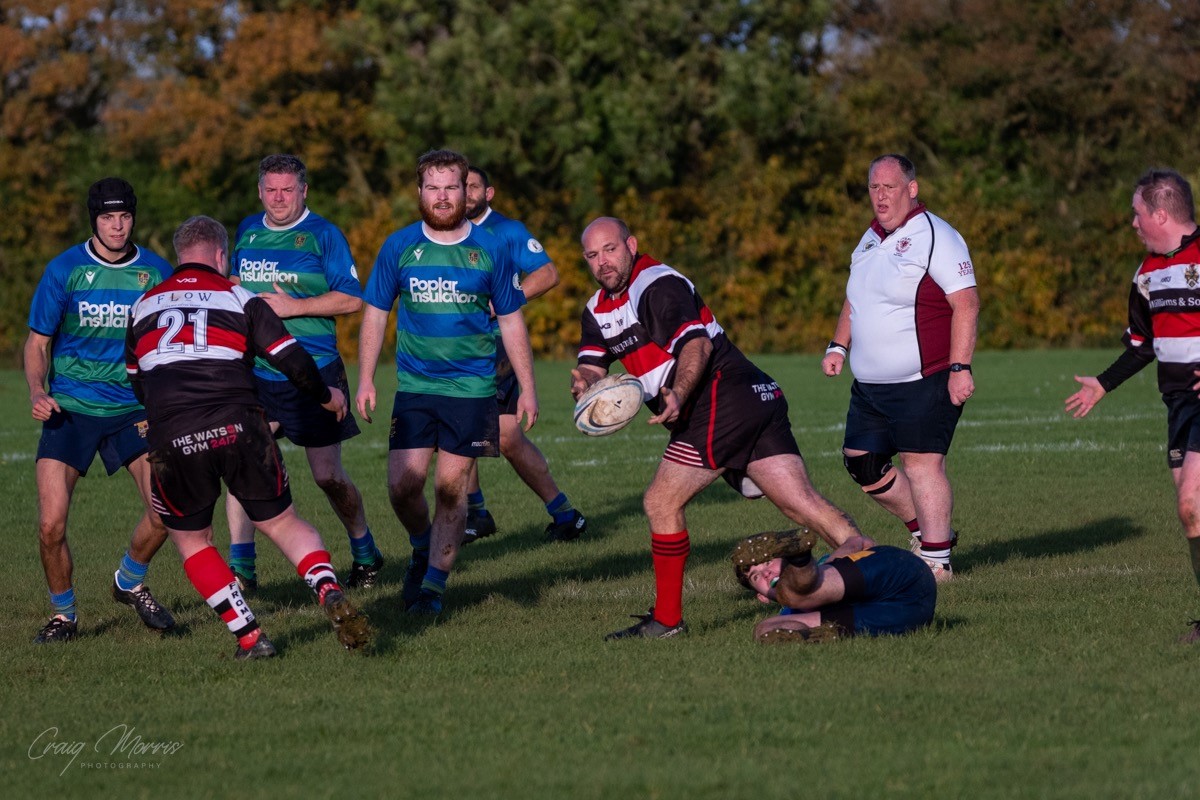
x=899 y=316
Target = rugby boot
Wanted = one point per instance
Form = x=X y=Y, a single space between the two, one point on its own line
x=58 y=629
x=567 y=531
x=262 y=648
x=154 y=616
x=427 y=603
x=942 y=573
x=478 y=526
x=762 y=547
x=1193 y=634
x=364 y=576
x=825 y=632
x=349 y=624
x=414 y=574
x=647 y=627
x=247 y=584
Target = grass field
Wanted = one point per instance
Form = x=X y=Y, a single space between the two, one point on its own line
x=1051 y=670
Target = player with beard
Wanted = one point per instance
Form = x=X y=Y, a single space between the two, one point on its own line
x=728 y=419
x=448 y=276
x=538 y=276
x=76 y=339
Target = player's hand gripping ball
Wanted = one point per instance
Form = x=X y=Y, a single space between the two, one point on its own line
x=608 y=405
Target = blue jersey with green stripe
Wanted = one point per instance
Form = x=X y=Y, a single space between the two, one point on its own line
x=526 y=252
x=83 y=303
x=308 y=258
x=444 y=340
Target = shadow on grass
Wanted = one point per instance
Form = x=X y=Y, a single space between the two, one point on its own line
x=1090 y=536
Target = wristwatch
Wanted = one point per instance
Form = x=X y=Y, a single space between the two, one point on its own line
x=956 y=367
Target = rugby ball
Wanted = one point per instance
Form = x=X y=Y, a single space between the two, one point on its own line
x=608 y=405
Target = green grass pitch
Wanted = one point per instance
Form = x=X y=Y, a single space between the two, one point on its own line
x=1051 y=670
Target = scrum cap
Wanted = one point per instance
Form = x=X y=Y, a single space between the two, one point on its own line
x=110 y=194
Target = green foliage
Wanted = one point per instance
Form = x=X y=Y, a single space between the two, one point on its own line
x=733 y=135
x=1051 y=670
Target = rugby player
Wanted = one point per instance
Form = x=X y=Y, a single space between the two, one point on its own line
x=728 y=419
x=1163 y=326
x=861 y=589
x=77 y=324
x=538 y=275
x=908 y=326
x=448 y=276
x=300 y=263
x=189 y=352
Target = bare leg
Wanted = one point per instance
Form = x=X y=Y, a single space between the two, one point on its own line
x=898 y=499
x=56 y=484
x=407 y=470
x=450 y=508
x=932 y=496
x=784 y=480
x=150 y=533
x=526 y=459
x=344 y=497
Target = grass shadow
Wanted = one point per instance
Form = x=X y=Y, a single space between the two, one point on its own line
x=1090 y=536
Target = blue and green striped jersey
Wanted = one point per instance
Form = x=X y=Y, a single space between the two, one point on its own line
x=525 y=251
x=308 y=258
x=444 y=340
x=83 y=303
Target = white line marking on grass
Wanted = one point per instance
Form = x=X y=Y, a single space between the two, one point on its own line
x=1086 y=445
x=9 y=458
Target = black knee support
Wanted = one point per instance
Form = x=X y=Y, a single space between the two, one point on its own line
x=869 y=469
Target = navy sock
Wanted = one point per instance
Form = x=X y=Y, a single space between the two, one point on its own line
x=476 y=503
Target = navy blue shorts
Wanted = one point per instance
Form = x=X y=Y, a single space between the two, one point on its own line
x=464 y=426
x=301 y=419
x=738 y=418
x=888 y=591
x=508 y=390
x=913 y=417
x=75 y=439
x=1183 y=426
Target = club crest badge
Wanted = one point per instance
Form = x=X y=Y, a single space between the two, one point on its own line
x=903 y=245
x=1191 y=275
x=301 y=238
x=473 y=257
x=143 y=279
x=142 y=428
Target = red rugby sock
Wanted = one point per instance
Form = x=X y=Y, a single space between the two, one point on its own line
x=670 y=552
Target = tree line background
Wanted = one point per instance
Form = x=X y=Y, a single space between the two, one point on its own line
x=733 y=135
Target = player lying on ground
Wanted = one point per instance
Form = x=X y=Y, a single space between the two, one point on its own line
x=863 y=588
